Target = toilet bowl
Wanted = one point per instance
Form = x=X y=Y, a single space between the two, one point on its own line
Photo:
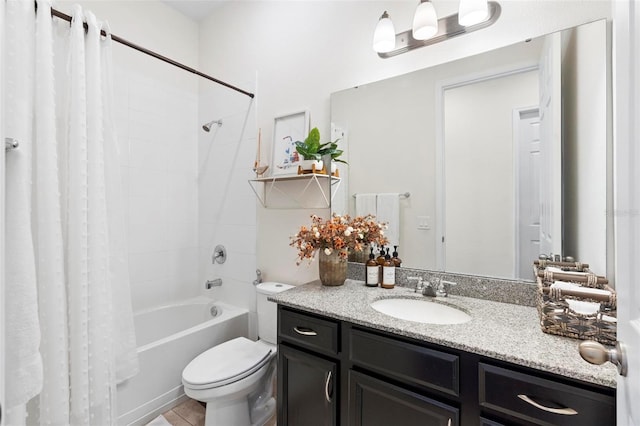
x=235 y=378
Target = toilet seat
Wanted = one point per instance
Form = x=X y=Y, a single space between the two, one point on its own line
x=226 y=363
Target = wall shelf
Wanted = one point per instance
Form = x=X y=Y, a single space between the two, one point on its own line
x=308 y=191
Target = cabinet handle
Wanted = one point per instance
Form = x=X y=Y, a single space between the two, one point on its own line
x=564 y=411
x=326 y=387
x=305 y=331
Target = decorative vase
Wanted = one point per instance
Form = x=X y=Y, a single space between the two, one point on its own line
x=333 y=268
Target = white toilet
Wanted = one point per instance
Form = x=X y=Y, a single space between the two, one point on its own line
x=235 y=378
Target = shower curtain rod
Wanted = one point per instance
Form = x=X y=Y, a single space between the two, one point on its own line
x=127 y=43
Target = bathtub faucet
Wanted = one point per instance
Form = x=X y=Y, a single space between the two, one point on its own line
x=217 y=282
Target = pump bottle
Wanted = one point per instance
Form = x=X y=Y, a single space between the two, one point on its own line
x=372 y=269
x=388 y=272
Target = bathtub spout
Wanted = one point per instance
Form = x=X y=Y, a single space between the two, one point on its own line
x=217 y=282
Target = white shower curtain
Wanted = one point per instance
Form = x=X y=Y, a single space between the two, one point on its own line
x=72 y=245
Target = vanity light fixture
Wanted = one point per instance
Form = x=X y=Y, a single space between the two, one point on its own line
x=384 y=37
x=425 y=21
x=471 y=12
x=427 y=29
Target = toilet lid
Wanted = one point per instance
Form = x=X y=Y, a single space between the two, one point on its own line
x=226 y=363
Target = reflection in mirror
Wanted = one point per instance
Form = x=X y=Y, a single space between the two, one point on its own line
x=505 y=154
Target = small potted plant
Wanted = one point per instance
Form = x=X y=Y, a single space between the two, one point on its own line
x=331 y=148
x=312 y=151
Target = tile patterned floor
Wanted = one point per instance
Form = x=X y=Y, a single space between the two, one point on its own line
x=191 y=413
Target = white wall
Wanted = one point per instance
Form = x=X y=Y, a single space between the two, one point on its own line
x=480 y=189
x=391 y=148
x=303 y=51
x=157 y=123
x=585 y=103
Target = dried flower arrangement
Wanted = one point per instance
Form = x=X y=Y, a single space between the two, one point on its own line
x=338 y=233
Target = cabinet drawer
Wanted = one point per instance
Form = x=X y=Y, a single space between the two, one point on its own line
x=308 y=331
x=541 y=401
x=406 y=362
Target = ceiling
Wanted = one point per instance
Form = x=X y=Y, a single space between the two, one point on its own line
x=195 y=9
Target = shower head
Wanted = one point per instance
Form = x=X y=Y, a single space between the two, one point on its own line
x=207 y=127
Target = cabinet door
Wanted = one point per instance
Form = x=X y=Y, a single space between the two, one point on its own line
x=373 y=402
x=307 y=387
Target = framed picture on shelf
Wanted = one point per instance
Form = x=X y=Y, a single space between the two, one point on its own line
x=288 y=129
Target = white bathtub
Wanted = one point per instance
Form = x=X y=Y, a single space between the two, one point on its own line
x=169 y=337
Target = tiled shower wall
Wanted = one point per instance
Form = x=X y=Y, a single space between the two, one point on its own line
x=227 y=205
x=158 y=129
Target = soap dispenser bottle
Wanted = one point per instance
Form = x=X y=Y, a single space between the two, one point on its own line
x=372 y=269
x=395 y=259
x=388 y=272
x=380 y=258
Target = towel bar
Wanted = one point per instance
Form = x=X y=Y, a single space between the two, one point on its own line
x=403 y=195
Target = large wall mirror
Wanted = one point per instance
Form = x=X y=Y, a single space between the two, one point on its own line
x=503 y=155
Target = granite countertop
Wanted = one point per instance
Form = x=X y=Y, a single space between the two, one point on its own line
x=498 y=330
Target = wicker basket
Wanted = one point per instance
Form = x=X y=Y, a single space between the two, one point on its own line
x=556 y=315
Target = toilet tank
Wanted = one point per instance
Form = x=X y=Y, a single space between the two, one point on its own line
x=268 y=311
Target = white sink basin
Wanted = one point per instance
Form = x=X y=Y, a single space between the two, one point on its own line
x=421 y=310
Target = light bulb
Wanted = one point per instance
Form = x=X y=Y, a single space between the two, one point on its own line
x=472 y=12
x=425 y=21
x=384 y=37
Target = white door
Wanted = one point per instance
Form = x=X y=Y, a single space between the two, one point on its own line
x=527 y=140
x=627 y=201
x=2 y=258
x=551 y=146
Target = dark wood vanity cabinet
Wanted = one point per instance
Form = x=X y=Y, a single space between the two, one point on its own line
x=332 y=372
x=308 y=368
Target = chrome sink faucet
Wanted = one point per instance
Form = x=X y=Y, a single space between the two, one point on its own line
x=424 y=287
x=444 y=287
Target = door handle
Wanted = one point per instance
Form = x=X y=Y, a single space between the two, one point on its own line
x=305 y=331
x=564 y=411
x=595 y=353
x=326 y=387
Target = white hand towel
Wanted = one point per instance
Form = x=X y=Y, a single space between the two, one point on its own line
x=587 y=291
x=388 y=210
x=584 y=308
x=366 y=204
x=561 y=271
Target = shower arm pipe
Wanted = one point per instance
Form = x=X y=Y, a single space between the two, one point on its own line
x=144 y=50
